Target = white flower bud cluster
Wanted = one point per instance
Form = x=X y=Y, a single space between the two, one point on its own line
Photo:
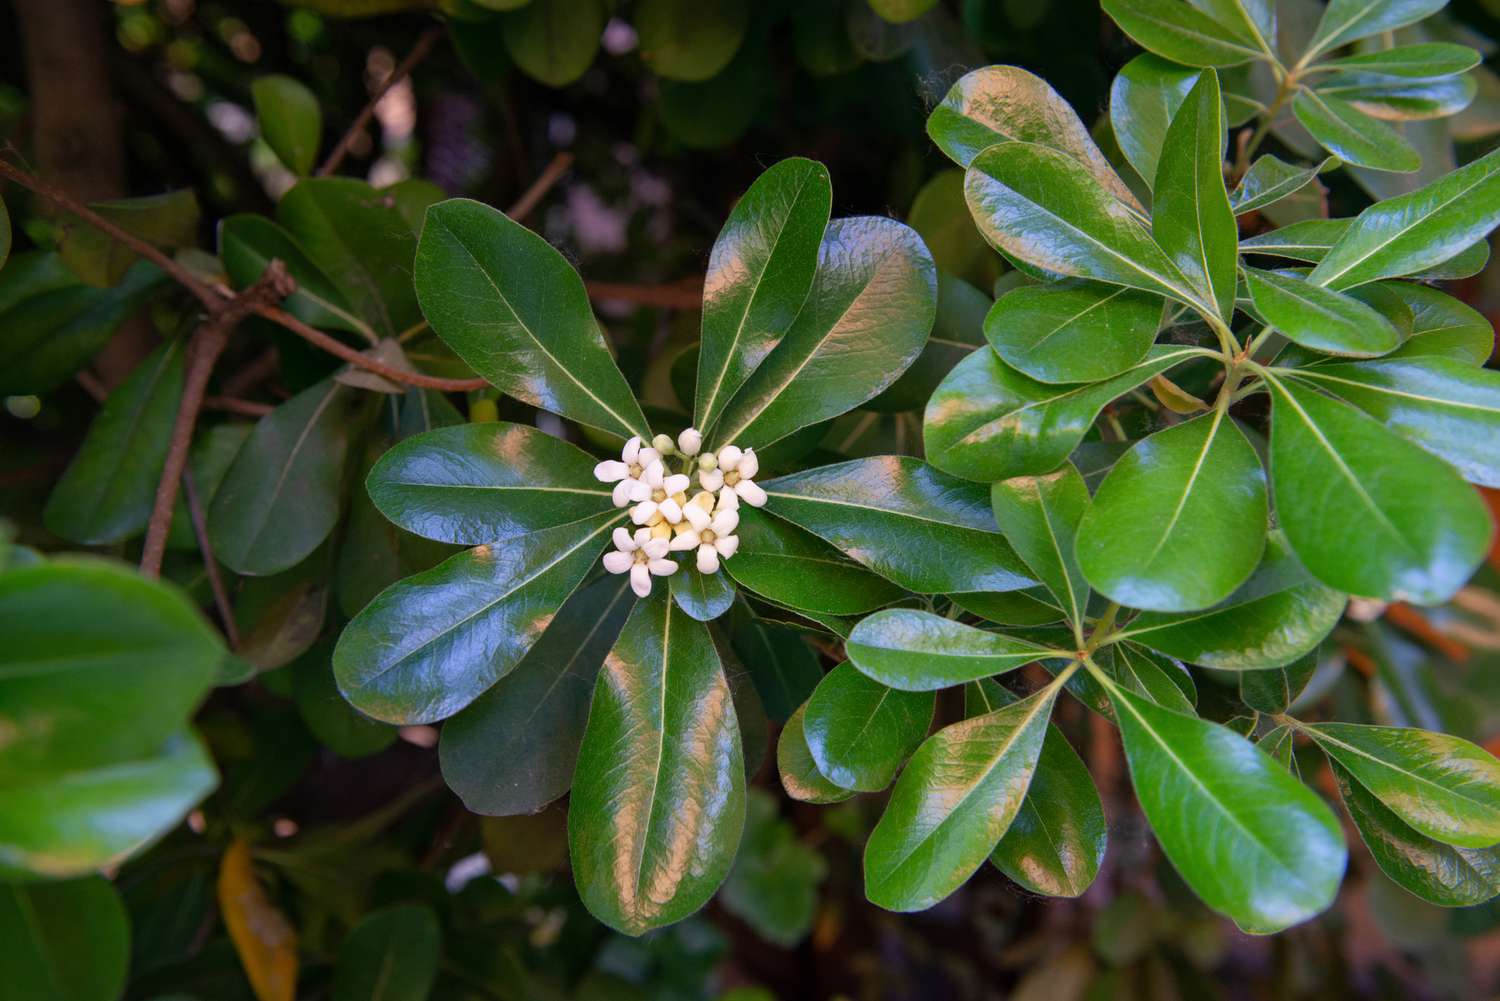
x=668 y=521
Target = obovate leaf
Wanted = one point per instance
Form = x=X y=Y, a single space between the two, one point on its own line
x=1444 y=327
x=1253 y=842
x=1345 y=484
x=989 y=422
x=512 y=751
x=763 y=264
x=860 y=732
x=512 y=308
x=165 y=221
x=485 y=482
x=1442 y=786
x=953 y=803
x=781 y=665
x=658 y=800
x=429 y=645
x=1269 y=180
x=915 y=651
x=107 y=491
x=1180 y=520
x=64 y=940
x=1073 y=331
x=1320 y=318
x=1275 y=690
x=391 y=955
x=799 y=773
x=1039 y=516
x=1421 y=61
x=555 y=41
x=903 y=519
x=1346 y=21
x=1181 y=32
x=1401 y=100
x=704 y=596
x=247 y=243
x=1144 y=97
x=1352 y=135
x=290 y=120
x=864 y=321
x=688 y=39
x=797 y=569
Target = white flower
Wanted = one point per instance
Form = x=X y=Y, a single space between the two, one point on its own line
x=735 y=475
x=690 y=442
x=710 y=530
x=628 y=472
x=664 y=498
x=642 y=556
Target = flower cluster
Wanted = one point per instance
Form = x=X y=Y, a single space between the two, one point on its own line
x=668 y=520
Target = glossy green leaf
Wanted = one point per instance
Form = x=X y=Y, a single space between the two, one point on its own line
x=859 y=731
x=1273 y=691
x=795 y=568
x=210 y=458
x=1345 y=484
x=1040 y=206
x=864 y=321
x=106 y=493
x=1346 y=21
x=1444 y=327
x=941 y=218
x=512 y=751
x=1438 y=873
x=989 y=422
x=781 y=664
x=477 y=483
x=658 y=800
x=1181 y=32
x=1253 y=842
x=555 y=41
x=704 y=596
x=166 y=221
x=690 y=39
x=903 y=519
x=1422 y=60
x=1442 y=786
x=290 y=120
x=1269 y=180
x=1399 y=100
x=1039 y=516
x=391 y=955
x=799 y=773
x=1308 y=240
x=280 y=498
x=953 y=803
x=1405 y=234
x=325 y=713
x=915 y=651
x=1180 y=520
x=1073 y=331
x=247 y=243
x=64 y=940
x=1320 y=318
x=1352 y=135
x=431 y=644
x=1144 y=97
x=763 y=265
x=999 y=104
x=1450 y=408
x=515 y=310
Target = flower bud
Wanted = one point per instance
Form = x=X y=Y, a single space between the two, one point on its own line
x=708 y=461
x=689 y=442
x=662 y=443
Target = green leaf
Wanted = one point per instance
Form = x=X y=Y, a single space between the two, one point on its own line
x=247 y=243
x=290 y=119
x=1399 y=100
x=512 y=751
x=989 y=422
x=704 y=596
x=555 y=41
x=1269 y=180
x=325 y=713
x=1308 y=240
x=166 y=221
x=860 y=732
x=1438 y=873
x=1275 y=690
x=1031 y=606
x=1180 y=521
x=1253 y=842
x=486 y=482
x=953 y=803
x=915 y=651
x=106 y=493
x=865 y=320
x=280 y=498
x=429 y=645
x=781 y=665
x=391 y=955
x=716 y=112
x=799 y=773
x=791 y=567
x=64 y=940
x=999 y=104
x=1417 y=230
x=1450 y=408
x=1073 y=331
x=4 y=233
x=774 y=884
x=1442 y=786
x=1039 y=516
x=1352 y=135
x=1143 y=99
x=939 y=216
x=658 y=800
x=512 y=308
x=1042 y=207
x=1345 y=484
x=901 y=11
x=358 y=237
x=1346 y=21
x=1444 y=327
x=1423 y=60
x=1318 y=317
x=208 y=461
x=903 y=519
x=1180 y=32
x=763 y=265
x=1191 y=218
x=690 y=39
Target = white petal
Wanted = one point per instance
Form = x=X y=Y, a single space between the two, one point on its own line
x=618 y=562
x=703 y=499
x=648 y=455
x=670 y=510
x=611 y=471
x=697 y=517
x=727 y=545
x=749 y=464
x=663 y=568
x=623 y=542
x=711 y=479
x=640 y=580
x=751 y=493
x=725 y=522
x=656 y=548
x=639 y=490
x=654 y=474
x=677 y=483
x=690 y=442
x=729 y=457
x=708 y=560
x=641 y=537
x=684 y=541
x=728 y=501
x=622 y=491
x=643 y=512
x=632 y=449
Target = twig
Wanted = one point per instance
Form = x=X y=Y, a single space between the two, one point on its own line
x=235 y=405
x=245 y=378
x=684 y=294
x=418 y=52
x=91 y=385
x=539 y=187
x=211 y=565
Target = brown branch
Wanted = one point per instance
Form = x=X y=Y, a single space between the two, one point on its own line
x=538 y=189
x=235 y=405
x=210 y=564
x=337 y=347
x=419 y=52
x=686 y=293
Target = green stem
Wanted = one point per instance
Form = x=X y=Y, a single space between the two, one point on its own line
x=1103 y=626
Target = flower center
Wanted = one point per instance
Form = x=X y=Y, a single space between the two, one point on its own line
x=634 y=471
x=732 y=477
x=706 y=536
x=641 y=557
x=658 y=495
